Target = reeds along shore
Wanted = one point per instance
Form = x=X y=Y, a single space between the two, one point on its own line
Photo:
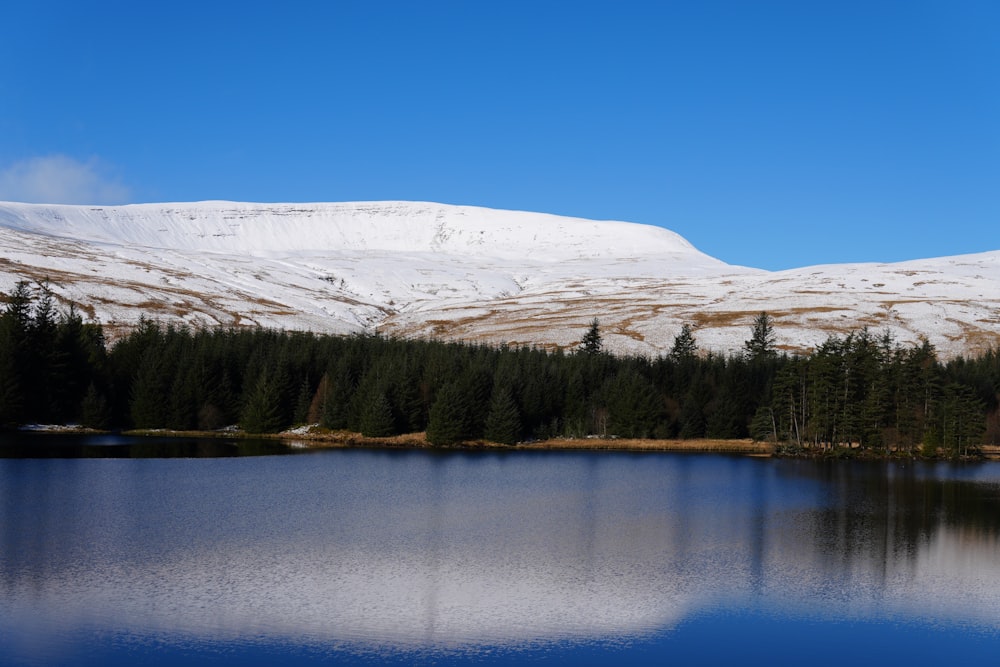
x=319 y=438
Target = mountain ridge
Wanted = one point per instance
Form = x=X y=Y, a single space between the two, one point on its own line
x=470 y=273
x=427 y=226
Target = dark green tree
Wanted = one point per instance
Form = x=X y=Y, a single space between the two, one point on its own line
x=503 y=422
x=218 y=407
x=761 y=342
x=592 y=342
x=261 y=411
x=337 y=397
x=150 y=403
x=961 y=421
x=576 y=413
x=723 y=416
x=94 y=409
x=634 y=406
x=183 y=396
x=44 y=381
x=411 y=405
x=14 y=354
x=302 y=402
x=685 y=347
x=693 y=419
x=764 y=425
x=377 y=420
x=450 y=419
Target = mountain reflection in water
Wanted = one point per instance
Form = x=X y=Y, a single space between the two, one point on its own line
x=412 y=550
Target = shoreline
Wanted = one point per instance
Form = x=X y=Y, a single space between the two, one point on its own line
x=314 y=438
x=348 y=439
x=322 y=439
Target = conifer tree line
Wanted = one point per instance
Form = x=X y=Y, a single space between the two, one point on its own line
x=865 y=391
x=859 y=389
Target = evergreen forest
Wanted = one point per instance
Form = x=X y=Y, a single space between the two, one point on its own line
x=861 y=390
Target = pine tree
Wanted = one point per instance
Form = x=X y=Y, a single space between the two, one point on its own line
x=149 y=392
x=301 y=414
x=43 y=382
x=11 y=390
x=634 y=406
x=94 y=409
x=219 y=406
x=576 y=407
x=410 y=403
x=477 y=383
x=377 y=420
x=592 y=342
x=761 y=343
x=825 y=370
x=18 y=307
x=284 y=390
x=261 y=412
x=449 y=422
x=961 y=421
x=337 y=398
x=14 y=322
x=503 y=422
x=787 y=406
x=685 y=347
x=764 y=426
x=183 y=399
x=316 y=404
x=723 y=419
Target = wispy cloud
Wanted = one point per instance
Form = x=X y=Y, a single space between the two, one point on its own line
x=59 y=179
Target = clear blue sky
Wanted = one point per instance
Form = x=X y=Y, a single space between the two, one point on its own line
x=770 y=134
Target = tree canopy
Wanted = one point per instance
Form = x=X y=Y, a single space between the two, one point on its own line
x=858 y=390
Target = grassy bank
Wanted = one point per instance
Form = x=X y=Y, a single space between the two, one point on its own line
x=319 y=438
x=322 y=438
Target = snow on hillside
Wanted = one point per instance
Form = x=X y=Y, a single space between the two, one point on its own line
x=422 y=269
x=263 y=229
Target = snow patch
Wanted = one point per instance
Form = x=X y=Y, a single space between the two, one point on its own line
x=468 y=273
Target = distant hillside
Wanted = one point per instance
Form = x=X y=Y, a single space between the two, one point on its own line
x=422 y=269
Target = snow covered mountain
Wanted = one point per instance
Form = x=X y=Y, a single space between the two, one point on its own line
x=457 y=272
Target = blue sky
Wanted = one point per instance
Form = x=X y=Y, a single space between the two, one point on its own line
x=769 y=134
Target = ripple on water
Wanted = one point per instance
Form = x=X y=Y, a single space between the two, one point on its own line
x=369 y=552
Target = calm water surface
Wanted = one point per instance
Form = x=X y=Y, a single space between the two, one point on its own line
x=378 y=557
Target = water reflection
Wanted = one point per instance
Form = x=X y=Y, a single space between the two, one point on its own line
x=100 y=445
x=411 y=550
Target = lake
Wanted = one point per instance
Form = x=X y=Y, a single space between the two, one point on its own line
x=114 y=554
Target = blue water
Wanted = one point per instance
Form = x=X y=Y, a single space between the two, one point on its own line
x=387 y=557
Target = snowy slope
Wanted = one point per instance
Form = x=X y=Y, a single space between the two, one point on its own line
x=422 y=269
x=263 y=229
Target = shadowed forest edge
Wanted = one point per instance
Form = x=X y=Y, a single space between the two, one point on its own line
x=861 y=391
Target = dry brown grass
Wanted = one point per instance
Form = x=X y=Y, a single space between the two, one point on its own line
x=979 y=341
x=628 y=444
x=323 y=438
x=722 y=318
